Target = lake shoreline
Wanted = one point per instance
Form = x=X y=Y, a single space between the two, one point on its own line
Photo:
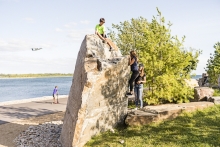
x=12 y=102
x=34 y=77
x=13 y=89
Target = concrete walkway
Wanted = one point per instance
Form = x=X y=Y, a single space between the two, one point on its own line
x=15 y=112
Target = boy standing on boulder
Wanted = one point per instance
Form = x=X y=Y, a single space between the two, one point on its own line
x=100 y=31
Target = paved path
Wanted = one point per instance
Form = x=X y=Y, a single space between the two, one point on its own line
x=14 y=112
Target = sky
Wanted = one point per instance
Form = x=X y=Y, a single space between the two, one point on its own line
x=59 y=26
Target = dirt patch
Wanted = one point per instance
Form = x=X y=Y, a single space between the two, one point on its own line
x=9 y=131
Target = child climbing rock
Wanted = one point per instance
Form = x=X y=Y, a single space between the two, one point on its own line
x=133 y=62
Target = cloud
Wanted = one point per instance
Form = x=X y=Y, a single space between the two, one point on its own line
x=77 y=35
x=58 y=30
x=15 y=63
x=73 y=33
x=85 y=22
x=35 y=60
x=69 y=25
x=29 y=20
x=201 y=65
x=15 y=45
x=11 y=0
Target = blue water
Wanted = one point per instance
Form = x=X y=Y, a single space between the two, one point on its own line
x=16 y=89
x=196 y=76
x=24 y=88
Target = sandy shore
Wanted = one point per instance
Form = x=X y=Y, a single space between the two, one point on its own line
x=30 y=100
x=34 y=77
x=9 y=131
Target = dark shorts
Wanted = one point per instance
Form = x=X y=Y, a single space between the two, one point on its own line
x=103 y=36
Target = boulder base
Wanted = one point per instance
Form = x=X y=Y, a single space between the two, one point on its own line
x=97 y=100
x=151 y=114
x=215 y=100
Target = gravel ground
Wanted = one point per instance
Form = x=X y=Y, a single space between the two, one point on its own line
x=9 y=131
x=43 y=135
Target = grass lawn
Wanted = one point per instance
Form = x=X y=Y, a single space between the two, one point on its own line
x=197 y=129
x=216 y=92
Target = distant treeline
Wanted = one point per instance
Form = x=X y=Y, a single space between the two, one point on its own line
x=36 y=75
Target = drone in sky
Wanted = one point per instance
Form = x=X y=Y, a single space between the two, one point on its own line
x=36 y=49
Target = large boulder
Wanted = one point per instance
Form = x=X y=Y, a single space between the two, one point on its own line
x=97 y=100
x=202 y=93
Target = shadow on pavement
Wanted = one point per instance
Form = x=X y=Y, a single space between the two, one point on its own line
x=49 y=103
x=21 y=112
x=42 y=102
x=3 y=122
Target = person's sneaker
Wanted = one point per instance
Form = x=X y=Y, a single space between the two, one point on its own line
x=129 y=93
x=135 y=108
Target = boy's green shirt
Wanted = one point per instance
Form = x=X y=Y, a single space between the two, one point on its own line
x=100 y=29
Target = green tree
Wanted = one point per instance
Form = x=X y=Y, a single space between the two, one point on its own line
x=167 y=63
x=213 y=65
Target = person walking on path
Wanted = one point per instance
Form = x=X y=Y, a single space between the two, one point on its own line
x=133 y=62
x=100 y=31
x=138 y=88
x=55 y=95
